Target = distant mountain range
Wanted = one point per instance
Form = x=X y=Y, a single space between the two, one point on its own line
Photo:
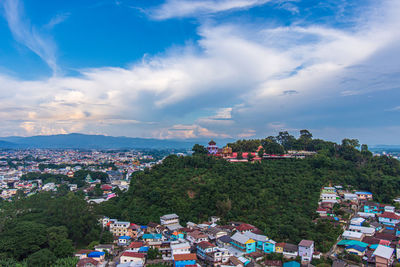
x=84 y=141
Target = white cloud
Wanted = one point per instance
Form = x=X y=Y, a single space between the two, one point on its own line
x=249 y=78
x=28 y=35
x=59 y=18
x=181 y=131
x=187 y=8
x=248 y=133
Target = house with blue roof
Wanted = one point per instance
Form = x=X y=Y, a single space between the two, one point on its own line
x=97 y=255
x=291 y=264
x=152 y=237
x=124 y=240
x=356 y=250
x=143 y=249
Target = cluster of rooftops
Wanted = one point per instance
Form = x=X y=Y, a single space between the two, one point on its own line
x=207 y=243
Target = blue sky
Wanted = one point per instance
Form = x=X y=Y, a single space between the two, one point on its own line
x=179 y=69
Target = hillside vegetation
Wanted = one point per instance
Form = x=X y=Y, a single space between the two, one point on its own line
x=278 y=196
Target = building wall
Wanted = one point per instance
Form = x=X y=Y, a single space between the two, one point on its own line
x=269 y=247
x=306 y=253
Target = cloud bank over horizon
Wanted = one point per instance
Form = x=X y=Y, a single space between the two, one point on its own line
x=233 y=78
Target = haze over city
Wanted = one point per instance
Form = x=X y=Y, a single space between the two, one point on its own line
x=181 y=69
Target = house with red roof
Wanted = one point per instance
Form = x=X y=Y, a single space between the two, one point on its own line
x=196 y=237
x=389 y=218
x=87 y=262
x=245 y=227
x=184 y=260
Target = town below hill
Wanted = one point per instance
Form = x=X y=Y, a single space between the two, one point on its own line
x=275 y=201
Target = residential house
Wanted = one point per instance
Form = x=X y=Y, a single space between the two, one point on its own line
x=119 y=228
x=306 y=250
x=153 y=227
x=97 y=255
x=388 y=208
x=234 y=261
x=279 y=247
x=328 y=190
x=177 y=235
x=152 y=237
x=365 y=215
x=182 y=260
x=389 y=218
x=349 y=196
x=171 y=221
x=367 y=231
x=215 y=233
x=133 y=230
x=356 y=250
x=329 y=197
x=196 y=237
x=138 y=258
x=224 y=241
x=243 y=243
x=363 y=195
x=352 y=235
x=372 y=207
x=82 y=254
x=245 y=227
x=290 y=250
x=87 y=262
x=180 y=248
x=212 y=254
x=135 y=246
x=357 y=221
x=106 y=247
x=124 y=240
x=383 y=256
x=263 y=243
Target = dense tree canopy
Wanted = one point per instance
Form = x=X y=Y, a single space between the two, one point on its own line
x=46 y=226
x=278 y=196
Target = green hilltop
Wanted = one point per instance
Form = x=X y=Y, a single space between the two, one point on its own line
x=280 y=197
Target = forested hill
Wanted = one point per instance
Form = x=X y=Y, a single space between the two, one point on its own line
x=278 y=196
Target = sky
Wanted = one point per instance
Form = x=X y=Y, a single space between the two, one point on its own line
x=210 y=69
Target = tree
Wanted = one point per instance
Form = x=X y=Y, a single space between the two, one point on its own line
x=250 y=156
x=22 y=239
x=354 y=143
x=98 y=191
x=286 y=140
x=199 y=150
x=58 y=241
x=270 y=146
x=153 y=254
x=239 y=155
x=43 y=257
x=260 y=152
x=305 y=134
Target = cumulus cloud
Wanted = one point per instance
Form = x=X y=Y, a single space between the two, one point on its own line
x=181 y=131
x=249 y=79
x=187 y=8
